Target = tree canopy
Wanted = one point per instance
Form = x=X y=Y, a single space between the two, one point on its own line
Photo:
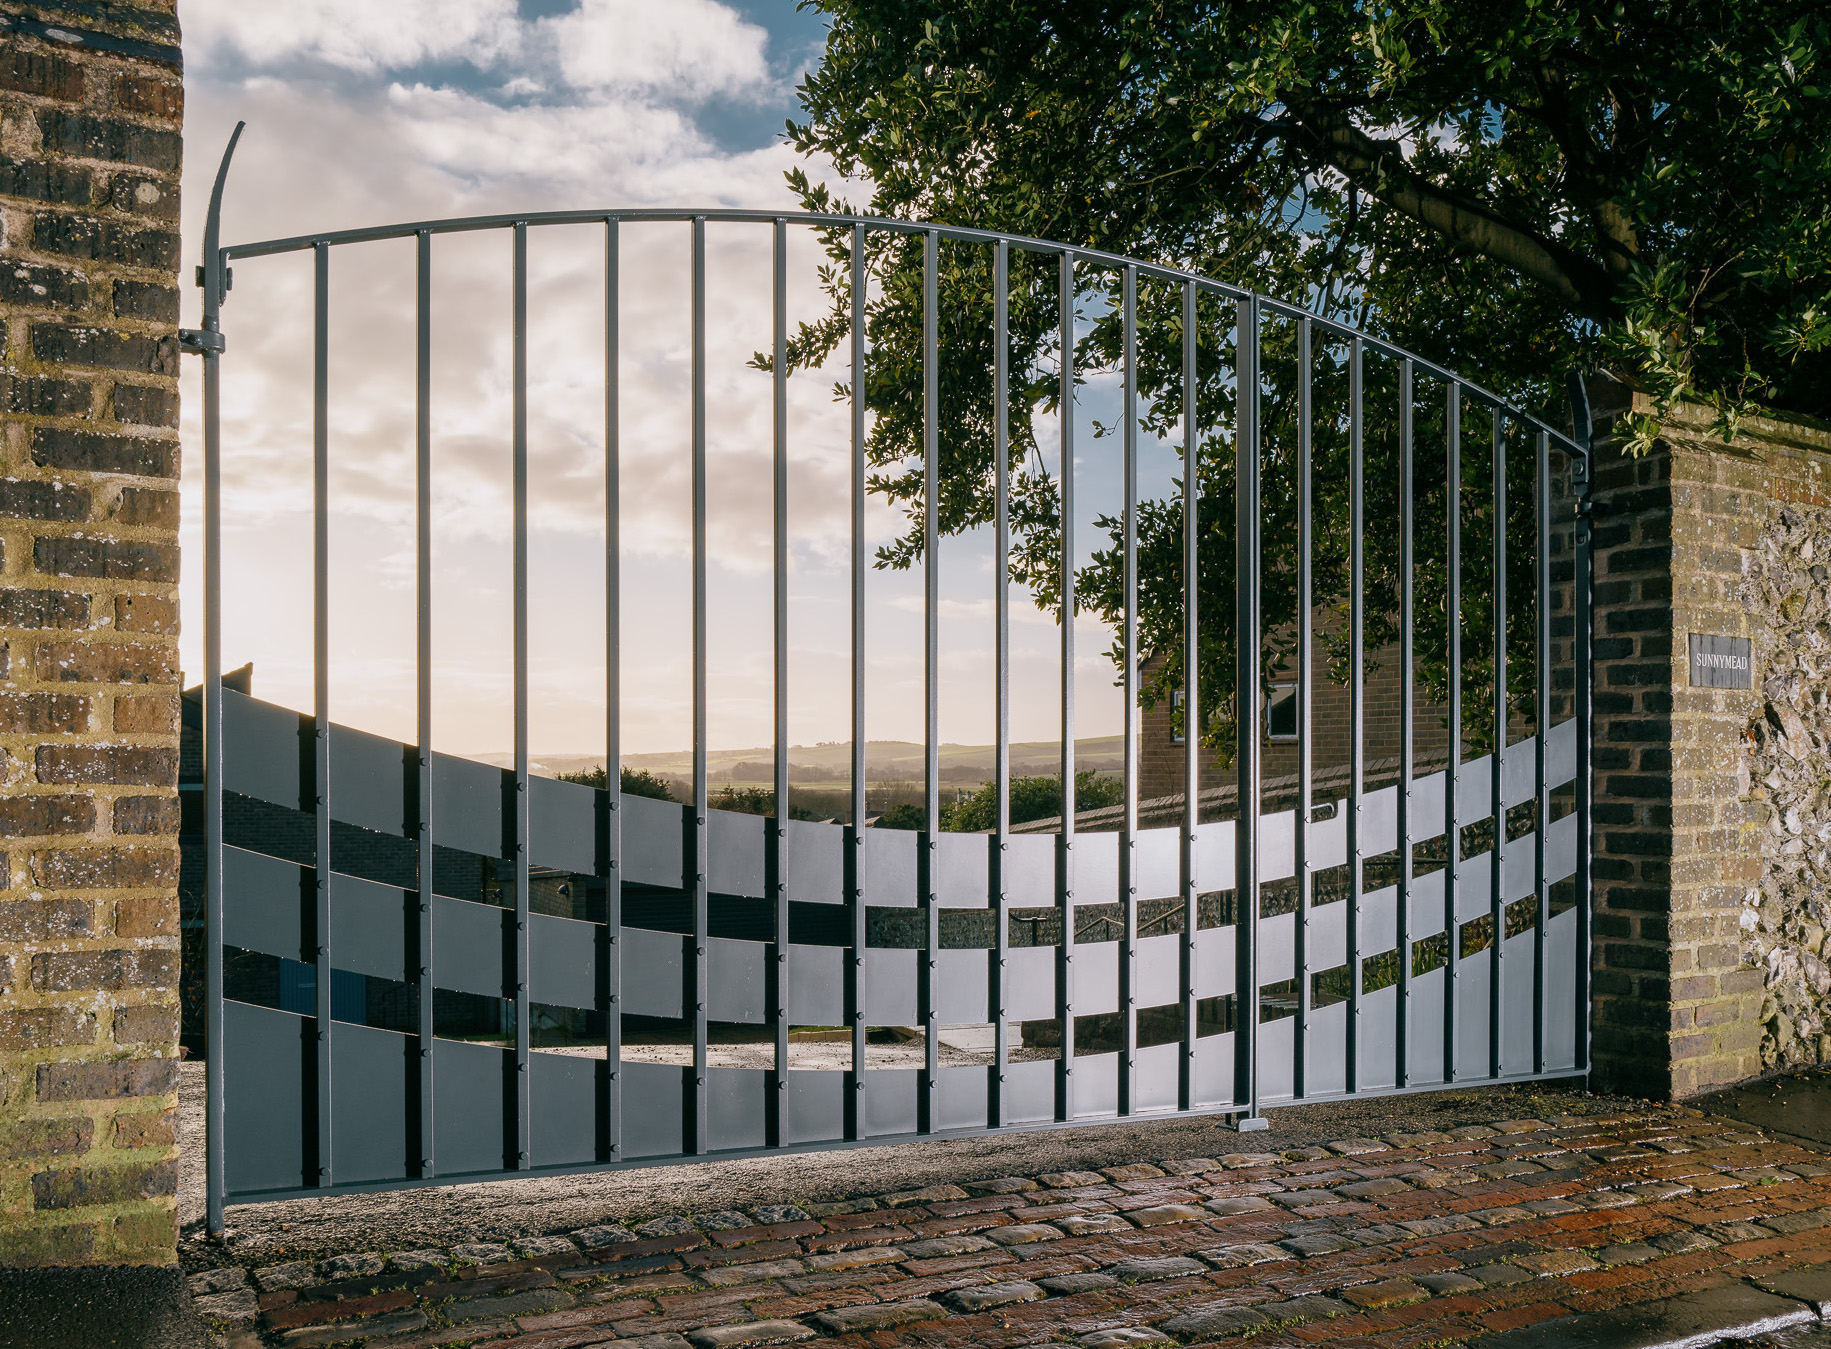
x=1508 y=189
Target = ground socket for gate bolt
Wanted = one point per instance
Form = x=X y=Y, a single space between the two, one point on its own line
x=1251 y=1124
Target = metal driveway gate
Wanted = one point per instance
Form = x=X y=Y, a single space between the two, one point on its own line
x=1422 y=922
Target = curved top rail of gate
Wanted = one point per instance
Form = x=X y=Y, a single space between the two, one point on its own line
x=1437 y=1014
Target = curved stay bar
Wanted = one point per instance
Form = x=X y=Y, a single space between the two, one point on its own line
x=270 y=881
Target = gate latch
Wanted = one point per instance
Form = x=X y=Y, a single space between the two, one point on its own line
x=199 y=340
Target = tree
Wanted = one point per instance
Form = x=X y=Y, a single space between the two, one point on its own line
x=634 y=782
x=1506 y=188
x=1032 y=798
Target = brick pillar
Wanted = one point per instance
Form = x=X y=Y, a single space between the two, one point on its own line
x=1679 y=1007
x=90 y=114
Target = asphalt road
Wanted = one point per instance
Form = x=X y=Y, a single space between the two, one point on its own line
x=97 y=1309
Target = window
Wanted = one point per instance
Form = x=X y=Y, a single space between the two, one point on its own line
x=1176 y=708
x=1281 y=712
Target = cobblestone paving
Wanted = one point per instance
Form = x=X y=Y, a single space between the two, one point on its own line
x=1404 y=1240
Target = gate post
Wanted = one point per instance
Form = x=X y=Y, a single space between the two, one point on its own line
x=92 y=106
x=1711 y=831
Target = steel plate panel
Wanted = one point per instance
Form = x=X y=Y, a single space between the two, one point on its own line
x=654 y=1109
x=654 y=973
x=369 y=780
x=564 y=1092
x=816 y=1106
x=1096 y=868
x=1561 y=849
x=1426 y=905
x=890 y=1100
x=467 y=807
x=889 y=988
x=962 y=987
x=1213 y=1080
x=890 y=868
x=962 y=878
x=1518 y=872
x=262 y=754
x=1030 y=983
x=734 y=853
x=1475 y=790
x=1157 y=863
x=1472 y=978
x=1277 y=1058
x=652 y=842
x=374 y=1078
x=1214 y=962
x=1424 y=1035
x=1328 y=841
x=1378 y=1038
x=1158 y=1081
x=563 y=825
x=473 y=1107
x=1277 y=845
x=1328 y=937
x=1160 y=970
x=1096 y=978
x=1427 y=794
x=1561 y=753
x=1379 y=822
x=1516 y=1004
x=1096 y=1085
x=1561 y=991
x=1518 y=769
x=963 y=1098
x=816 y=862
x=738 y=1104
x=1029 y=1091
x=373 y=928
x=265 y=903
x=1474 y=887
x=734 y=981
x=816 y=986
x=1214 y=855
x=1326 y=1050
x=473 y=947
x=1379 y=921
x=1277 y=948
x=1029 y=870
x=269 y=1090
x=563 y=956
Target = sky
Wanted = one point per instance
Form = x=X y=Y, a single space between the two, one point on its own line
x=361 y=113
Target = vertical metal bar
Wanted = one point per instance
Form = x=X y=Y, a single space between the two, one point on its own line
x=778 y=854
x=931 y=679
x=855 y=858
x=613 y=692
x=1246 y=702
x=1192 y=719
x=1541 y=888
x=1407 y=684
x=524 y=1136
x=1064 y=874
x=1452 y=783
x=215 y=1175
x=698 y=1140
x=1306 y=882
x=1128 y=828
x=1581 y=582
x=423 y=684
x=321 y=692
x=1001 y=619
x=1497 y=905
x=1357 y=694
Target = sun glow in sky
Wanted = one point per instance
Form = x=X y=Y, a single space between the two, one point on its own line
x=362 y=113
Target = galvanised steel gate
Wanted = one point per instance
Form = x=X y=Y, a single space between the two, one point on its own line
x=1402 y=925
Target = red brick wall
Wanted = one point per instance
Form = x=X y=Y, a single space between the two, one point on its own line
x=89 y=160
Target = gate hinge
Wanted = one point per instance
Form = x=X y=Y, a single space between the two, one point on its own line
x=199 y=340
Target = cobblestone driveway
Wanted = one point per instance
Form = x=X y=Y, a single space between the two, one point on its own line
x=1404 y=1240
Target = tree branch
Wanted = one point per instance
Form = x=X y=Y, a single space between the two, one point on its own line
x=1380 y=170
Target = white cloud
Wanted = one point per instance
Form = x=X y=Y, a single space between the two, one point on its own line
x=363 y=36
x=689 y=49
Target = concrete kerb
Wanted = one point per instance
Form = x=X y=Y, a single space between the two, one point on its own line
x=1688 y=1321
